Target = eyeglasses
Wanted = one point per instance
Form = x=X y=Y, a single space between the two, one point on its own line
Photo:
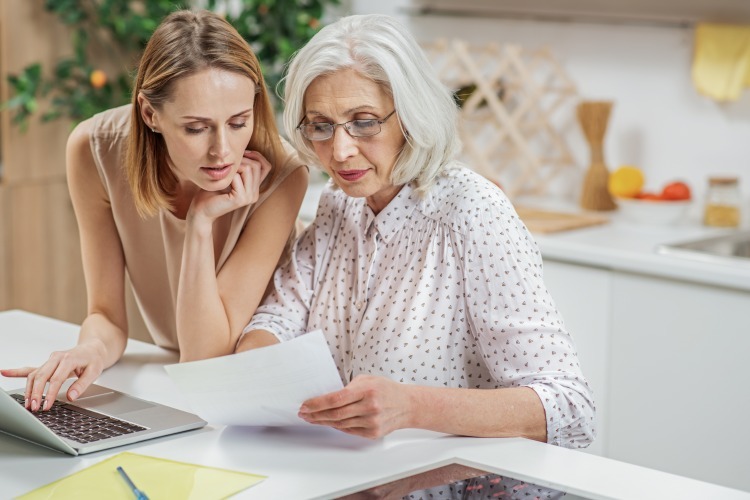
x=322 y=131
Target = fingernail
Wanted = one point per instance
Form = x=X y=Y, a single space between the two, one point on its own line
x=34 y=405
x=304 y=409
x=26 y=403
x=73 y=395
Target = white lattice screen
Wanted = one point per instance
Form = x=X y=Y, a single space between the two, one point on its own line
x=518 y=106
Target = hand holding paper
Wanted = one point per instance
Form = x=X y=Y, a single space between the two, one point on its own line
x=265 y=386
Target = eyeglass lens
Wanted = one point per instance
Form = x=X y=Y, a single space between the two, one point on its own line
x=321 y=131
x=356 y=128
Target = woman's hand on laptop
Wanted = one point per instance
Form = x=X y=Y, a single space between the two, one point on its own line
x=84 y=361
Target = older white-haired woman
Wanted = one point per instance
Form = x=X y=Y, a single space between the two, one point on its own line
x=423 y=279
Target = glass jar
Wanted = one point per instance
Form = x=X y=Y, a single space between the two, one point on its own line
x=723 y=201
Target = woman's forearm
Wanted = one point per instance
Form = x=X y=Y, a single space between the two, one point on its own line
x=203 y=329
x=511 y=412
x=104 y=336
x=213 y=310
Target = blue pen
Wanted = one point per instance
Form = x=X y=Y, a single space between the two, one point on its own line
x=139 y=495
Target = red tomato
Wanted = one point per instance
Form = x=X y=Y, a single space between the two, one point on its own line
x=676 y=191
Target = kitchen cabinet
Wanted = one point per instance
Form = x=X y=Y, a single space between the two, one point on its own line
x=678 y=378
x=667 y=361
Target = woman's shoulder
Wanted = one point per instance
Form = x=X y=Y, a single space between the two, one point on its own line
x=460 y=195
x=474 y=208
x=111 y=123
x=83 y=166
x=97 y=143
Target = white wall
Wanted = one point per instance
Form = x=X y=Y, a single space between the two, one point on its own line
x=659 y=121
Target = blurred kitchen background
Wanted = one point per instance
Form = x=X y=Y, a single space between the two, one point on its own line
x=657 y=301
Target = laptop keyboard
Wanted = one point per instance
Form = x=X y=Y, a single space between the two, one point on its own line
x=80 y=424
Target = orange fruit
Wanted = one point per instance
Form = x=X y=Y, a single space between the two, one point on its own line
x=98 y=78
x=626 y=182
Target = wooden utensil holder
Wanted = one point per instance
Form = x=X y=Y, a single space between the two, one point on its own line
x=593 y=117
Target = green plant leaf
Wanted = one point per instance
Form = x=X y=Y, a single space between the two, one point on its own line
x=13 y=102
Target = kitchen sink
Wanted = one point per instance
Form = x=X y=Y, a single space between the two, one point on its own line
x=731 y=248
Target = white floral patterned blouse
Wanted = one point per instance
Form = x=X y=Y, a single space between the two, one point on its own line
x=440 y=290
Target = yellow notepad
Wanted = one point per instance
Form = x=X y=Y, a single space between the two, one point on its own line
x=156 y=477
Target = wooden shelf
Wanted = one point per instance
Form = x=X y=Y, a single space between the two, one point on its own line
x=664 y=12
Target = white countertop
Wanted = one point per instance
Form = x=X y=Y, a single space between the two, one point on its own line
x=624 y=245
x=632 y=248
x=308 y=462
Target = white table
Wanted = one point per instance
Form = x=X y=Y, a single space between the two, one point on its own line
x=307 y=462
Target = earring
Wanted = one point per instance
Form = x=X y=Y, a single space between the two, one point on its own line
x=153 y=130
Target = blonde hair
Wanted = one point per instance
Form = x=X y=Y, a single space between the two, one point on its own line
x=185 y=43
x=381 y=49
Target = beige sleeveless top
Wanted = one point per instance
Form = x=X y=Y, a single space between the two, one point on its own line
x=153 y=246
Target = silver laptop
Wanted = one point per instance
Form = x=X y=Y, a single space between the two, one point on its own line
x=100 y=419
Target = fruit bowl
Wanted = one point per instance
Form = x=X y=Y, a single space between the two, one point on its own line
x=654 y=212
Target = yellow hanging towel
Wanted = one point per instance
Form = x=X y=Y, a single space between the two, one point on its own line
x=721 y=64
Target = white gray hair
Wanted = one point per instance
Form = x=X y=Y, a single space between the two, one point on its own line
x=382 y=50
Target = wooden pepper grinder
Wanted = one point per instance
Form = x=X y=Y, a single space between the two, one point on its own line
x=593 y=117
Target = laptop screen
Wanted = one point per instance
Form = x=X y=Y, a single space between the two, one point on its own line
x=456 y=481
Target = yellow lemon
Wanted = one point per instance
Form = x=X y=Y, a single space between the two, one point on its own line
x=626 y=182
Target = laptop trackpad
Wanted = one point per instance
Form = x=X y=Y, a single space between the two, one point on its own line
x=113 y=404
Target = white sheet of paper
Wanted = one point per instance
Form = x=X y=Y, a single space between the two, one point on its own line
x=259 y=387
